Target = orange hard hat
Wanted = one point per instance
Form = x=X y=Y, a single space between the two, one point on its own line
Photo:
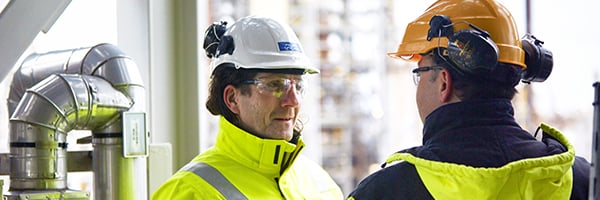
x=488 y=15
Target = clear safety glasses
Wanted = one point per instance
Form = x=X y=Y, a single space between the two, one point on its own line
x=277 y=86
x=416 y=72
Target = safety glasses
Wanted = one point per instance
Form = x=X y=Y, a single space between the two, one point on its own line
x=277 y=86
x=416 y=72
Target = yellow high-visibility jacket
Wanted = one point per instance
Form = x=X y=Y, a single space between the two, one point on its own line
x=243 y=166
x=548 y=177
x=476 y=150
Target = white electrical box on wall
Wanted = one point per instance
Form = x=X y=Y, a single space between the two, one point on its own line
x=135 y=139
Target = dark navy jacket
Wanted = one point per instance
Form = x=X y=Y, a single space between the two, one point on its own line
x=475 y=133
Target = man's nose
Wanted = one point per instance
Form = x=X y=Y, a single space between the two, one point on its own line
x=291 y=97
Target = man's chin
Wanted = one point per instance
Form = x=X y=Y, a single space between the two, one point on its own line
x=283 y=135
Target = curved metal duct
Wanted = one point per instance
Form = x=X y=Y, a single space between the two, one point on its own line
x=80 y=89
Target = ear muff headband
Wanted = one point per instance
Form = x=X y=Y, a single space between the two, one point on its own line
x=469 y=50
x=472 y=50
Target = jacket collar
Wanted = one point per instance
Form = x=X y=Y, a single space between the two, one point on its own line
x=266 y=155
x=466 y=113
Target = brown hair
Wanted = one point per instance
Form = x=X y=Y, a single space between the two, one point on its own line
x=498 y=83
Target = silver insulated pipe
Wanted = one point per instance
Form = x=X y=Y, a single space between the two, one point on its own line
x=80 y=89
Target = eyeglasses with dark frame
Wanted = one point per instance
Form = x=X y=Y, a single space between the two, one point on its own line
x=277 y=86
x=416 y=72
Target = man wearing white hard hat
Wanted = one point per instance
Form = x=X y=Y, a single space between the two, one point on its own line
x=256 y=87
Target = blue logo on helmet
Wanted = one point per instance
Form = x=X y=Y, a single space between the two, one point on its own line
x=288 y=46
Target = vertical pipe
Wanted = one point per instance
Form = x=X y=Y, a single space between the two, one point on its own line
x=113 y=173
x=594 y=191
x=527 y=16
x=117 y=177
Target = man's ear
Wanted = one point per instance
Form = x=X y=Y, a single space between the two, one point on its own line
x=230 y=95
x=445 y=86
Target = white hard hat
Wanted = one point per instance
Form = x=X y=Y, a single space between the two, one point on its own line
x=259 y=43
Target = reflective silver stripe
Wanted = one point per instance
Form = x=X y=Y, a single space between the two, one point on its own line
x=214 y=178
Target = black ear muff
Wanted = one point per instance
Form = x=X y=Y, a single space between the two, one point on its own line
x=226 y=46
x=468 y=49
x=538 y=59
x=212 y=38
x=471 y=50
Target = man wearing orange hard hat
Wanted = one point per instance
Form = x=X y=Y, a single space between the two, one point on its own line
x=470 y=58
